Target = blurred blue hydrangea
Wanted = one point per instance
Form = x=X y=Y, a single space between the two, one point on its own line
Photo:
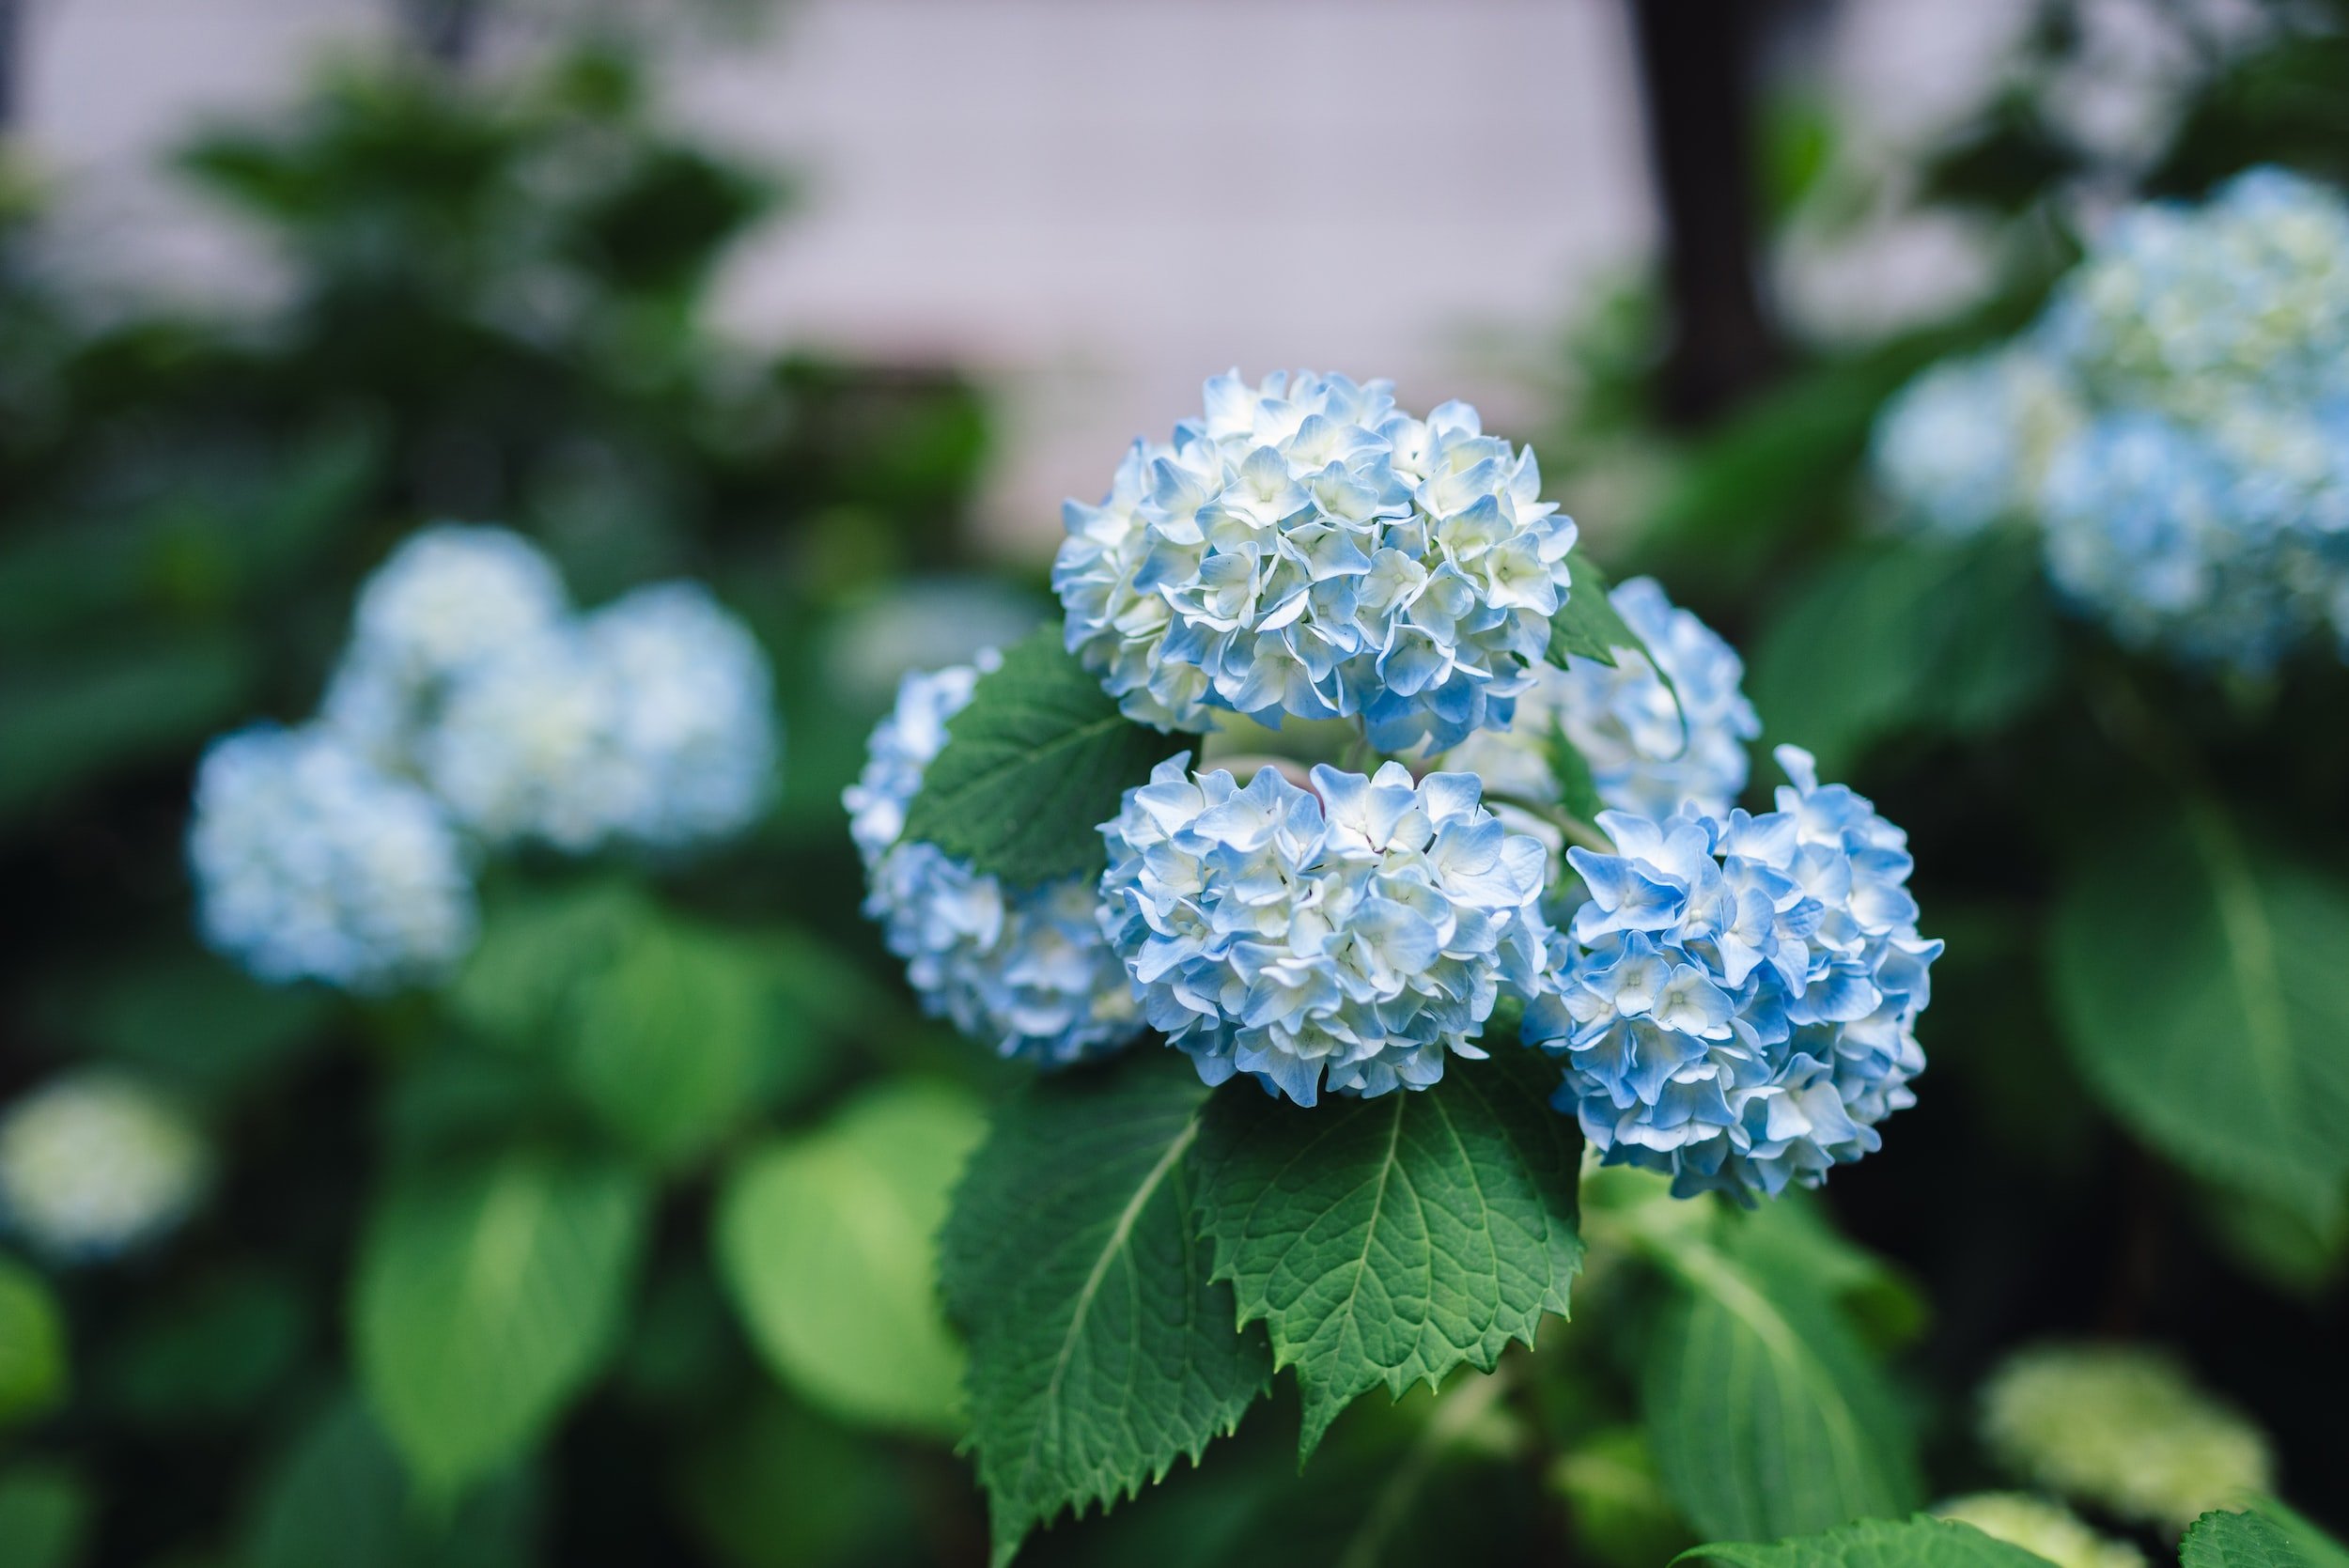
x=449 y=597
x=1306 y=549
x=2185 y=307
x=1966 y=443
x=1027 y=969
x=94 y=1164
x=311 y=862
x=1343 y=937
x=1652 y=747
x=2224 y=545
x=650 y=722
x=1737 y=1002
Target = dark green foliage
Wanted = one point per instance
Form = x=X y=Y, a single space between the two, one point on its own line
x=1033 y=768
x=1587 y=625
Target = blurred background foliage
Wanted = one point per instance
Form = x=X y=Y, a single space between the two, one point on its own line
x=688 y=1107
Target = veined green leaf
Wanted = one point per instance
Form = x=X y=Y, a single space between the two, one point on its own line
x=1032 y=766
x=487 y=1295
x=1100 y=1349
x=1921 y=1542
x=2240 y=1541
x=1587 y=624
x=2199 y=983
x=1386 y=1241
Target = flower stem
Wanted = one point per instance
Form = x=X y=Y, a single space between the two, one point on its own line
x=1575 y=829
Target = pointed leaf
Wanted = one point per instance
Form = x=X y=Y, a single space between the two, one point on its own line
x=1032 y=766
x=2239 y=1541
x=487 y=1295
x=1386 y=1241
x=2200 y=982
x=1921 y=1542
x=1587 y=624
x=1100 y=1350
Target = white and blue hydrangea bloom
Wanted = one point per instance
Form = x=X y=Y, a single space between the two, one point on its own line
x=1026 y=970
x=449 y=597
x=1965 y=444
x=94 y=1164
x=1666 y=725
x=1737 y=1000
x=1307 y=549
x=1344 y=939
x=313 y=863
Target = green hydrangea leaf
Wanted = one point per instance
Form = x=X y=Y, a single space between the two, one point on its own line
x=33 y=1363
x=2199 y=980
x=1101 y=1351
x=1384 y=1242
x=1767 y=1415
x=2239 y=1541
x=490 y=1293
x=1032 y=766
x=825 y=1243
x=1921 y=1542
x=1587 y=625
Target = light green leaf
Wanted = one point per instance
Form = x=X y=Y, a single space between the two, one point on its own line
x=33 y=1367
x=825 y=1243
x=44 y=1517
x=1100 y=1350
x=1386 y=1241
x=339 y=1499
x=2321 y=1550
x=2239 y=1541
x=1587 y=624
x=1921 y=1542
x=2200 y=987
x=1031 y=768
x=488 y=1295
x=1766 y=1414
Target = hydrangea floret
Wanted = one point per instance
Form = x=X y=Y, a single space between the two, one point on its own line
x=1026 y=970
x=1346 y=938
x=1736 y=1003
x=1305 y=548
x=94 y=1164
x=313 y=863
x=1657 y=735
x=1967 y=444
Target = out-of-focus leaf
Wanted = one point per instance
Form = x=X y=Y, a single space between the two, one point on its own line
x=488 y=1295
x=1622 y=1516
x=211 y=1354
x=33 y=1367
x=779 y=1488
x=339 y=1499
x=44 y=1516
x=64 y=720
x=826 y=1242
x=2200 y=987
x=190 y=1020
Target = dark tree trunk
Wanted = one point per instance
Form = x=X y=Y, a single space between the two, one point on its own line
x=11 y=60
x=443 y=31
x=1696 y=61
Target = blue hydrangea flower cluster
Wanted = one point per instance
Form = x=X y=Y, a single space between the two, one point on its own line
x=472 y=708
x=1652 y=747
x=95 y=1164
x=1968 y=442
x=1737 y=1004
x=2177 y=424
x=313 y=863
x=1306 y=549
x=1344 y=937
x=1028 y=970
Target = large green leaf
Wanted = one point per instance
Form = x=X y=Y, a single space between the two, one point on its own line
x=1766 y=1414
x=32 y=1345
x=1386 y=1241
x=2239 y=1541
x=488 y=1294
x=1100 y=1349
x=2200 y=980
x=1915 y=636
x=1032 y=766
x=1921 y=1542
x=44 y=1516
x=826 y=1242
x=339 y=1499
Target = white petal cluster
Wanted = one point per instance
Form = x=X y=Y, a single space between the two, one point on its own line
x=313 y=863
x=94 y=1163
x=1305 y=548
x=649 y=722
x=1027 y=969
x=1657 y=736
x=1344 y=938
x=1968 y=442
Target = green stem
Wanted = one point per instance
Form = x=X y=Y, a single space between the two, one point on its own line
x=1575 y=829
